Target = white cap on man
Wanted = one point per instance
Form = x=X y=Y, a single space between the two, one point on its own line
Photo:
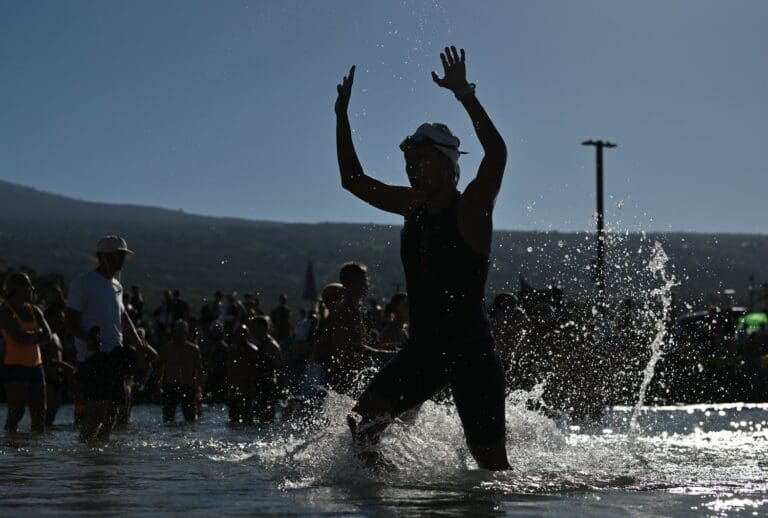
x=112 y=244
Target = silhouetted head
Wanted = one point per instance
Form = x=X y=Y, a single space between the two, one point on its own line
x=354 y=278
x=112 y=252
x=180 y=330
x=330 y=297
x=259 y=327
x=432 y=158
x=398 y=305
x=216 y=330
x=18 y=288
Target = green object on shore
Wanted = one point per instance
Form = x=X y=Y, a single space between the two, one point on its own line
x=752 y=322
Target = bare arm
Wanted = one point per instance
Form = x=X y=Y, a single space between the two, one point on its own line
x=133 y=336
x=45 y=330
x=161 y=368
x=479 y=198
x=397 y=199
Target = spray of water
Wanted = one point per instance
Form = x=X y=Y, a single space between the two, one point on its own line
x=657 y=267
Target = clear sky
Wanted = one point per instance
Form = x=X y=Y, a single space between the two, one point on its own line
x=225 y=108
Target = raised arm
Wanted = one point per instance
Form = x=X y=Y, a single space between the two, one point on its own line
x=479 y=197
x=491 y=171
x=397 y=199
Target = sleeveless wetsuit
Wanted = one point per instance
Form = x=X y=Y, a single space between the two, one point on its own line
x=450 y=335
x=23 y=363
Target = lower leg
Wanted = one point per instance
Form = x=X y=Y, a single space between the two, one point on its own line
x=108 y=421
x=37 y=404
x=53 y=402
x=491 y=456
x=17 y=400
x=169 y=413
x=91 y=419
x=15 y=413
x=190 y=411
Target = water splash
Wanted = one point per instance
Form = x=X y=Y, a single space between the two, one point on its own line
x=657 y=267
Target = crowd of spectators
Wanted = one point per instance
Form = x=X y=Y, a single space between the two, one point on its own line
x=231 y=351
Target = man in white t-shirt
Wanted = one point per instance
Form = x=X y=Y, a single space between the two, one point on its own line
x=97 y=319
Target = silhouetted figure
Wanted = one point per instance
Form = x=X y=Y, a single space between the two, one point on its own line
x=269 y=371
x=445 y=248
x=212 y=311
x=394 y=333
x=181 y=373
x=57 y=371
x=215 y=350
x=282 y=321
x=95 y=316
x=347 y=333
x=23 y=328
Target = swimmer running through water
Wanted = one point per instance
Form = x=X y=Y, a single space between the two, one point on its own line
x=445 y=248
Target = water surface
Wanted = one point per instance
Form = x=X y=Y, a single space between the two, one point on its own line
x=684 y=461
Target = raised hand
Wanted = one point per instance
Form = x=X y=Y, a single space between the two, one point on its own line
x=345 y=92
x=455 y=70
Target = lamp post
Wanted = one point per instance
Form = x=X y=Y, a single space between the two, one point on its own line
x=600 y=260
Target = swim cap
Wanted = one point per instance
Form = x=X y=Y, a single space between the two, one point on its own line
x=440 y=137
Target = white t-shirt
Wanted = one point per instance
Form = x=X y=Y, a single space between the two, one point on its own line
x=100 y=301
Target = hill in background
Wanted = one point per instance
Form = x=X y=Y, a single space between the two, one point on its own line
x=199 y=254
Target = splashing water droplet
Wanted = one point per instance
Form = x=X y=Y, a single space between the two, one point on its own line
x=656 y=265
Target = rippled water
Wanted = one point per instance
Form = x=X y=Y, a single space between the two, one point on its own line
x=694 y=460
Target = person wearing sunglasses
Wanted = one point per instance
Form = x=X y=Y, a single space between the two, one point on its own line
x=445 y=249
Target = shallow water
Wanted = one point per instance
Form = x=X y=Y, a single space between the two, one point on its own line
x=693 y=460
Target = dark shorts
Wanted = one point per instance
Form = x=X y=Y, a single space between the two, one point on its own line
x=101 y=378
x=184 y=395
x=21 y=375
x=473 y=371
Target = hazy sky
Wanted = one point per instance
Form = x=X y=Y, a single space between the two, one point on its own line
x=226 y=108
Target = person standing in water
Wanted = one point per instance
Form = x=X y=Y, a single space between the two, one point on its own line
x=445 y=248
x=24 y=328
x=181 y=372
x=96 y=317
x=57 y=371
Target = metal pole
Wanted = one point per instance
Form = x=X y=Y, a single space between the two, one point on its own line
x=600 y=260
